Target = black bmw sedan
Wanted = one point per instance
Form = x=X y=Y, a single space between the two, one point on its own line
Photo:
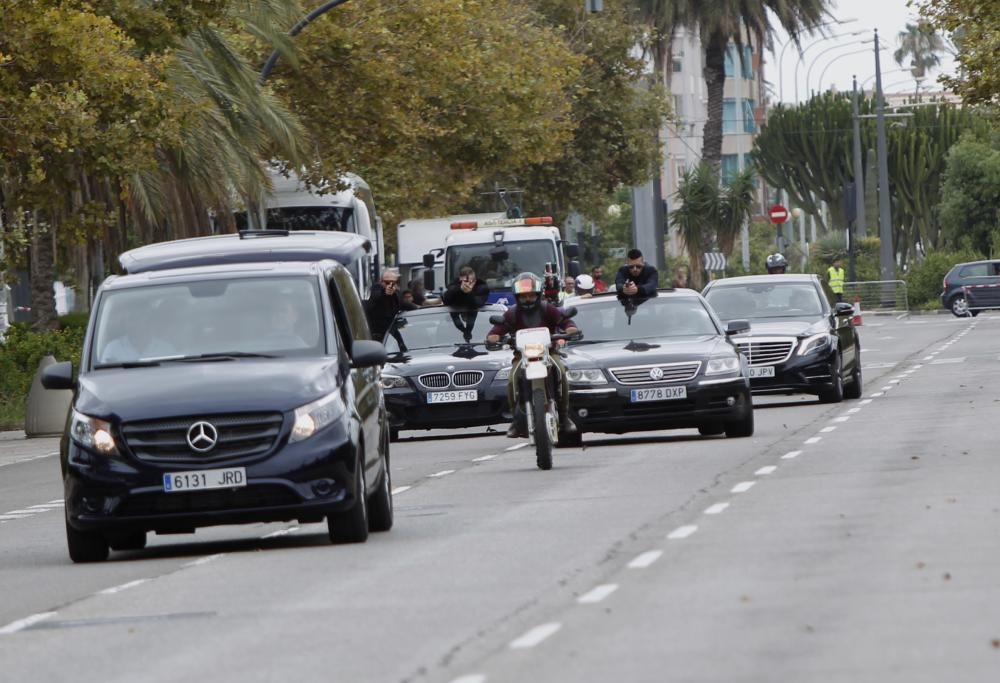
x=664 y=362
x=798 y=342
x=440 y=375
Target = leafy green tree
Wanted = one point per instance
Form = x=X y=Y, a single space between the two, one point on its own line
x=975 y=25
x=970 y=195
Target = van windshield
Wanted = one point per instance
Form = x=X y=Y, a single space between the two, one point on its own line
x=498 y=266
x=226 y=317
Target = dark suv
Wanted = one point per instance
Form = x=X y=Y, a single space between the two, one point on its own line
x=225 y=380
x=977 y=280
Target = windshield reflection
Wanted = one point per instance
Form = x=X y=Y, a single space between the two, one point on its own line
x=613 y=320
x=446 y=329
x=770 y=300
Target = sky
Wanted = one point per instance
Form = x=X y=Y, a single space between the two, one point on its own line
x=831 y=57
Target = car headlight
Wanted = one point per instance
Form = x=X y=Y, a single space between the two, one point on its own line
x=586 y=376
x=817 y=342
x=723 y=366
x=533 y=350
x=393 y=382
x=93 y=434
x=312 y=417
x=502 y=374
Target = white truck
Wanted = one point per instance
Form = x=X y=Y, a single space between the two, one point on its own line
x=416 y=237
x=501 y=248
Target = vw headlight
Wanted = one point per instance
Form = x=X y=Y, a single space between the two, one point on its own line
x=586 y=376
x=817 y=342
x=534 y=350
x=312 y=417
x=723 y=366
x=93 y=434
x=502 y=374
x=393 y=382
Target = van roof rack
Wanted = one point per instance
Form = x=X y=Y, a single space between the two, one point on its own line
x=268 y=232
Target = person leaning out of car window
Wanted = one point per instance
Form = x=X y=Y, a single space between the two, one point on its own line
x=384 y=303
x=636 y=278
x=467 y=291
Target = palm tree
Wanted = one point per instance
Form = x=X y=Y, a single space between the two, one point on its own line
x=922 y=45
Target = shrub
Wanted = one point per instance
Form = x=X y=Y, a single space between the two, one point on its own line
x=923 y=281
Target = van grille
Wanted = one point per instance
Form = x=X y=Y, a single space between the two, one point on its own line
x=656 y=374
x=239 y=436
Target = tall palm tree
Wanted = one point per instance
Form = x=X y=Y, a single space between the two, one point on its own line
x=922 y=46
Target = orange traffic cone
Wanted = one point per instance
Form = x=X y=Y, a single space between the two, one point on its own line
x=856 y=320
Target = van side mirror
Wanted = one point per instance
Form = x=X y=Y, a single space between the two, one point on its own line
x=428 y=259
x=737 y=326
x=572 y=250
x=58 y=376
x=366 y=353
x=429 y=284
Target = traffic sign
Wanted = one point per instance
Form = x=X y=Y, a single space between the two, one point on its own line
x=778 y=214
x=715 y=261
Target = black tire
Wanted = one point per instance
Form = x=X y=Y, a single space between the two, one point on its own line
x=86 y=546
x=959 y=307
x=351 y=526
x=380 y=510
x=133 y=540
x=711 y=429
x=856 y=387
x=543 y=446
x=574 y=440
x=742 y=427
x=835 y=392
x=393 y=434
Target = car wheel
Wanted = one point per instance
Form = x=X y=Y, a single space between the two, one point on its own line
x=741 y=427
x=856 y=387
x=835 y=392
x=959 y=306
x=380 y=505
x=133 y=540
x=351 y=526
x=712 y=429
x=86 y=546
x=393 y=434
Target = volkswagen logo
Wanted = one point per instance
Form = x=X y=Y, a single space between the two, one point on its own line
x=202 y=436
x=656 y=374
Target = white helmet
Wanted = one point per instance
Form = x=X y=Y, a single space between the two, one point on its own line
x=584 y=282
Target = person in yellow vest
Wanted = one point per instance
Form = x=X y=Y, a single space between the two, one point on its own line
x=835 y=276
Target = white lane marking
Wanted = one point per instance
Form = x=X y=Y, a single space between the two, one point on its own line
x=947 y=361
x=842 y=418
x=56 y=501
x=853 y=411
x=645 y=559
x=27 y=459
x=484 y=458
x=20 y=512
x=442 y=473
x=878 y=366
x=281 y=532
x=813 y=439
x=877 y=394
x=928 y=358
x=887 y=387
x=742 y=487
x=893 y=381
x=471 y=678
x=597 y=594
x=791 y=454
x=866 y=401
x=764 y=471
x=122 y=587
x=204 y=560
x=827 y=430
x=916 y=367
x=21 y=624
x=516 y=446
x=46 y=506
x=716 y=509
x=399 y=489
x=682 y=532
x=535 y=636
x=6 y=518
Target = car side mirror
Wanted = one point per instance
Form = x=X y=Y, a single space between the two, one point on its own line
x=58 y=376
x=737 y=326
x=496 y=319
x=366 y=353
x=843 y=308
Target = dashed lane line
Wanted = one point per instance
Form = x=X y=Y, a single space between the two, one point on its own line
x=442 y=473
x=535 y=636
x=645 y=559
x=716 y=509
x=742 y=487
x=682 y=532
x=122 y=587
x=813 y=439
x=21 y=624
x=764 y=471
x=791 y=455
x=399 y=489
x=597 y=594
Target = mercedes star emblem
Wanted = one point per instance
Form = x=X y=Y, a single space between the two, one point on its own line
x=202 y=436
x=656 y=374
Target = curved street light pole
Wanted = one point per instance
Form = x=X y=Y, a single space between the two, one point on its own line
x=802 y=54
x=822 y=74
x=296 y=30
x=781 y=55
x=826 y=51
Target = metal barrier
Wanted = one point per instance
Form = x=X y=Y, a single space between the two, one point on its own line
x=889 y=296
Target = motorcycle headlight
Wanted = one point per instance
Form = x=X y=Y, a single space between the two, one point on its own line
x=393 y=382
x=312 y=417
x=502 y=374
x=723 y=366
x=817 y=342
x=534 y=350
x=586 y=376
x=93 y=434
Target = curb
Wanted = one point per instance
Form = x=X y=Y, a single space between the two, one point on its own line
x=14 y=435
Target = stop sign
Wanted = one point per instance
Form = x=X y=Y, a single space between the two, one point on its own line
x=778 y=214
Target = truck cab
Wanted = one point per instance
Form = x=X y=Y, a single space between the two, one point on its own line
x=501 y=248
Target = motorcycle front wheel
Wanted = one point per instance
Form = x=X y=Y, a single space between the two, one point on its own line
x=543 y=442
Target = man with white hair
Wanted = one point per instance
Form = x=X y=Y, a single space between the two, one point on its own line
x=384 y=304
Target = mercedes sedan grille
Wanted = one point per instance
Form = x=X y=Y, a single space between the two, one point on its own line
x=761 y=351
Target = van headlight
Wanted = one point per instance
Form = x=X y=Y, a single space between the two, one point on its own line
x=393 y=382
x=312 y=417
x=93 y=434
x=723 y=366
x=586 y=376
x=817 y=342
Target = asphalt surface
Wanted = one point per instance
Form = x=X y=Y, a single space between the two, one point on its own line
x=848 y=542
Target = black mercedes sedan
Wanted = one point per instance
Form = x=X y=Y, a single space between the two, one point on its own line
x=664 y=362
x=440 y=375
x=798 y=343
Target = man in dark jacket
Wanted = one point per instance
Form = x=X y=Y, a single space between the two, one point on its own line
x=384 y=304
x=466 y=292
x=636 y=278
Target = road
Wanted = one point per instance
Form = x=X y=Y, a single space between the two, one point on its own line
x=849 y=542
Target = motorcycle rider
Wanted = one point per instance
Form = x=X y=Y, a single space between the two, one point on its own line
x=776 y=264
x=531 y=311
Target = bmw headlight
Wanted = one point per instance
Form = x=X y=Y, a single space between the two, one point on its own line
x=93 y=434
x=817 y=342
x=393 y=382
x=725 y=365
x=312 y=417
x=586 y=376
x=502 y=374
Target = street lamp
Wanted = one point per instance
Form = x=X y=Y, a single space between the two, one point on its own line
x=781 y=55
x=296 y=30
x=867 y=41
x=802 y=54
x=822 y=74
